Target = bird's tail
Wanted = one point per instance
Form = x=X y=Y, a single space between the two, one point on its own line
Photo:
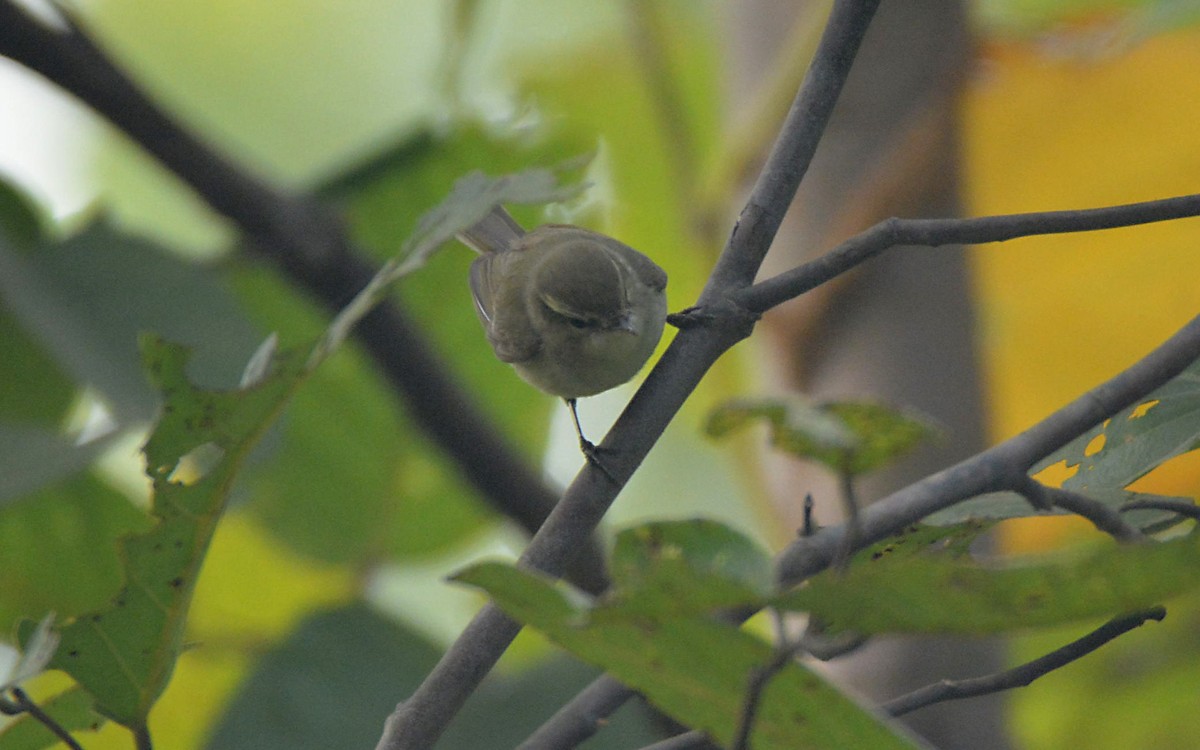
x=493 y=233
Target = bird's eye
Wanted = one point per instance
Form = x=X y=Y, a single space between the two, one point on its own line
x=579 y=323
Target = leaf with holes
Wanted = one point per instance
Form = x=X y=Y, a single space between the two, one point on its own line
x=1136 y=440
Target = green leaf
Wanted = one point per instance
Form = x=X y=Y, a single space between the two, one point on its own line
x=20 y=219
x=86 y=300
x=124 y=653
x=349 y=477
x=58 y=548
x=71 y=709
x=949 y=542
x=997 y=506
x=37 y=391
x=953 y=594
x=854 y=437
x=688 y=567
x=694 y=668
x=331 y=682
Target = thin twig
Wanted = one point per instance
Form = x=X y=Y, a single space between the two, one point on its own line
x=1023 y=675
x=895 y=232
x=1183 y=508
x=850 y=508
x=24 y=704
x=581 y=717
x=1104 y=518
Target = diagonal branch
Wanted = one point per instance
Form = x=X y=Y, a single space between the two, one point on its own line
x=1021 y=676
x=581 y=717
x=895 y=232
x=793 y=151
x=310 y=246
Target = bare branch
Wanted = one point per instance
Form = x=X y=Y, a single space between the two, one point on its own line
x=895 y=232
x=1023 y=675
x=309 y=244
x=1104 y=518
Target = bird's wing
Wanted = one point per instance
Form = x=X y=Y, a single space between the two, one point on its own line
x=501 y=307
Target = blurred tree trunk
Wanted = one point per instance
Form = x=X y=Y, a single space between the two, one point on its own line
x=900 y=329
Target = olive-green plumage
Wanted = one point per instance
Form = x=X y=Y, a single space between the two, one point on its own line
x=575 y=312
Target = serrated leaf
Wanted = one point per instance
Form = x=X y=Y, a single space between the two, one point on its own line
x=854 y=437
x=123 y=654
x=929 y=594
x=694 y=668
